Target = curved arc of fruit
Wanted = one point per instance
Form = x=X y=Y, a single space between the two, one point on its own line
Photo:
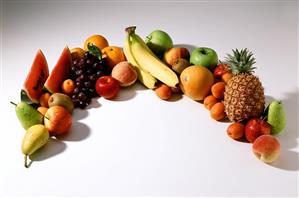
x=152 y=63
x=144 y=76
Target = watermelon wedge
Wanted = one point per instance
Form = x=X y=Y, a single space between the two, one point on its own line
x=60 y=72
x=37 y=76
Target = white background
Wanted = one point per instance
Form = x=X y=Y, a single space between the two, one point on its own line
x=138 y=144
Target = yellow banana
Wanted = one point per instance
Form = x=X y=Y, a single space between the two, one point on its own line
x=143 y=76
x=149 y=62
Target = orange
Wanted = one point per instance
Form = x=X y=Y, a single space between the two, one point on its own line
x=44 y=99
x=77 y=53
x=114 y=55
x=98 y=40
x=68 y=86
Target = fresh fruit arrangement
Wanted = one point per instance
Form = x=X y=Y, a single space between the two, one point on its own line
x=229 y=89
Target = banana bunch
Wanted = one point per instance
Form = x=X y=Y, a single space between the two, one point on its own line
x=149 y=67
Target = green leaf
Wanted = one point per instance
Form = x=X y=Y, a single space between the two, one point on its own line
x=94 y=50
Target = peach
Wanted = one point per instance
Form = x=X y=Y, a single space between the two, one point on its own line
x=125 y=73
x=164 y=92
x=266 y=148
x=44 y=99
x=42 y=110
x=236 y=130
x=58 y=120
x=68 y=86
x=217 y=111
x=218 y=90
x=172 y=54
x=209 y=101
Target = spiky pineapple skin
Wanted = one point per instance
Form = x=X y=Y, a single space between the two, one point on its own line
x=244 y=97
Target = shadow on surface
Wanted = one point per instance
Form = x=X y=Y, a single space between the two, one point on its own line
x=288 y=159
x=51 y=149
x=128 y=93
x=78 y=132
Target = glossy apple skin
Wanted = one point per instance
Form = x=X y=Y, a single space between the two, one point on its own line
x=205 y=57
x=255 y=128
x=220 y=70
x=58 y=120
x=107 y=86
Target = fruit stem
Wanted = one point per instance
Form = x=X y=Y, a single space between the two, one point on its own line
x=13 y=103
x=47 y=118
x=130 y=30
x=25 y=161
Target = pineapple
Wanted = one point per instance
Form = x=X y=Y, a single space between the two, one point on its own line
x=244 y=95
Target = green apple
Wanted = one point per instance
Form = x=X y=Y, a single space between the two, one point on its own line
x=204 y=56
x=159 y=41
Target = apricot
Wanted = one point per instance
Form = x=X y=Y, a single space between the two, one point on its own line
x=172 y=54
x=209 y=101
x=226 y=77
x=125 y=73
x=164 y=92
x=266 y=148
x=68 y=86
x=218 y=90
x=196 y=82
x=43 y=100
x=42 y=110
x=217 y=111
x=236 y=130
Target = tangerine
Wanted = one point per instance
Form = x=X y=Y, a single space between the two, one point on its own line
x=97 y=40
x=113 y=55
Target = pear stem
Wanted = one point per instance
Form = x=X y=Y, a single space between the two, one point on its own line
x=25 y=161
x=13 y=103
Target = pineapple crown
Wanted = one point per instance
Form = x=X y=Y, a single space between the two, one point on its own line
x=241 y=61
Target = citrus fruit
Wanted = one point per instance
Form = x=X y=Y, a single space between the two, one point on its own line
x=77 y=53
x=114 y=55
x=98 y=40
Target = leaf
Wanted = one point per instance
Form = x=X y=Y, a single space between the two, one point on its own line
x=94 y=50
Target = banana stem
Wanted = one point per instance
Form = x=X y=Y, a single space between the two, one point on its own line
x=130 y=30
x=25 y=161
x=13 y=103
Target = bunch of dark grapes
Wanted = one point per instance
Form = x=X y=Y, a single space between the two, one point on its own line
x=85 y=72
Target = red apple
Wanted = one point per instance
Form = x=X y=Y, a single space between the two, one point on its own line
x=220 y=70
x=58 y=120
x=255 y=128
x=107 y=86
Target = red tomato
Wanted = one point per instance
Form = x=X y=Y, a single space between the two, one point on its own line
x=107 y=86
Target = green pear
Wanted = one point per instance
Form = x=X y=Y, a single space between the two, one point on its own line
x=27 y=115
x=36 y=137
x=276 y=116
x=60 y=99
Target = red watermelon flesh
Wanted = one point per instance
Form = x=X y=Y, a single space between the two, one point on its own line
x=60 y=72
x=37 y=76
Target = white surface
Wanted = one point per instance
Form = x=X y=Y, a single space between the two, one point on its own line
x=138 y=144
